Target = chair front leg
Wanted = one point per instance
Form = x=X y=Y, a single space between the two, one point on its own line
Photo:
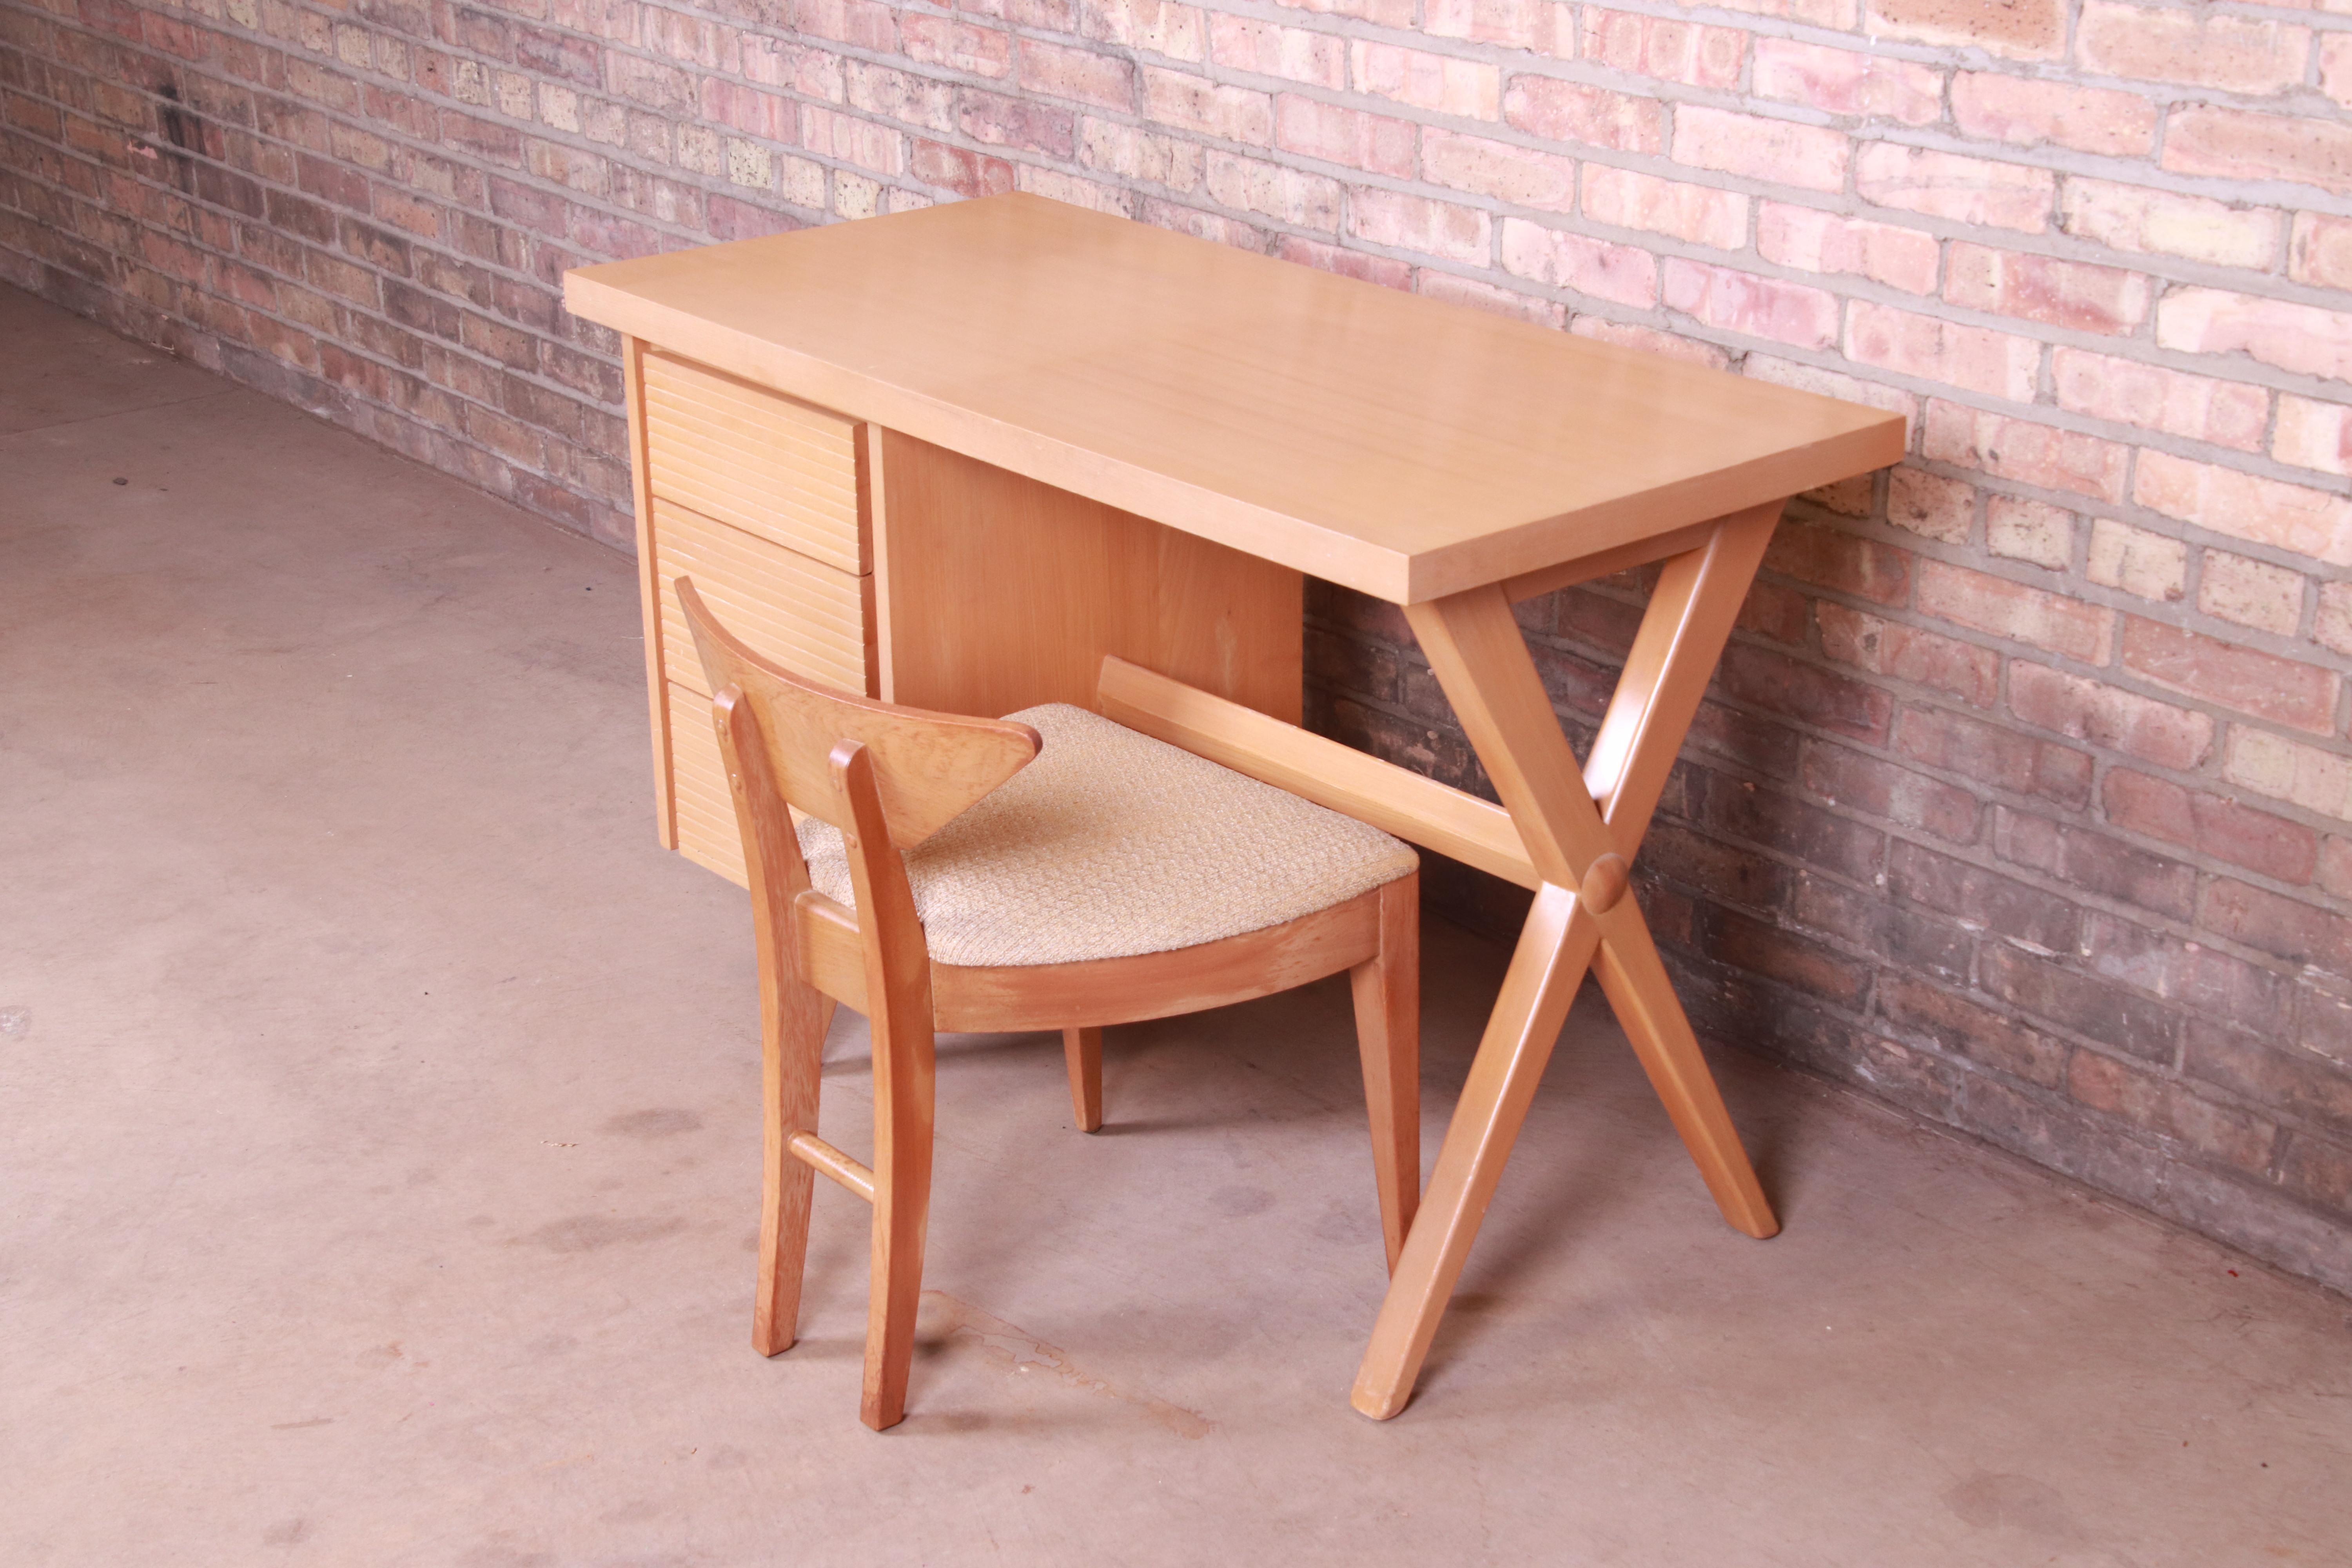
x=1387 y=990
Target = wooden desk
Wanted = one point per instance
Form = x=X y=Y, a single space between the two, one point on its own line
x=956 y=458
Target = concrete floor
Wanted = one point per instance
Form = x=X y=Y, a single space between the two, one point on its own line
x=377 y=1138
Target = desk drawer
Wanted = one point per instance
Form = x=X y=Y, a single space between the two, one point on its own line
x=783 y=470
x=704 y=805
x=812 y=618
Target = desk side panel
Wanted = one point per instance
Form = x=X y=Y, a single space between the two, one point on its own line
x=632 y=381
x=996 y=593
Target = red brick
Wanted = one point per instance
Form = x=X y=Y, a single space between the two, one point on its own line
x=1966 y=1029
x=1625 y=199
x=1982 y=900
x=2321 y=251
x=1770 y=951
x=1079 y=74
x=1757 y=307
x=2251 y=592
x=1254 y=185
x=998 y=119
x=1809 y=156
x=1195 y=103
x=2109 y=716
x=1384 y=13
x=2314 y=435
x=2068 y=294
x=1660 y=47
x=1415 y=223
x=2000 y=365
x=1997 y=756
x=1849 y=778
x=2056 y=622
x=2114 y=1016
x=2023 y=450
x=1573 y=112
x=1826 y=840
x=1154 y=27
x=1780 y=684
x=2226 y=413
x=2020 y=530
x=2305 y=339
x=1244 y=43
x=2095 y=863
x=1546 y=27
x=1814 y=241
x=2236 y=54
x=1948 y=185
x=1907 y=653
x=2212 y=825
x=2267 y=511
x=960 y=169
x=1847 y=562
x=2300 y=696
x=2172 y=1110
x=2024 y=113
x=1443 y=84
x=2295 y=931
x=1625 y=273
x=1349 y=136
x=1519 y=175
x=2237 y=145
x=1841 y=82
x=1931 y=506
x=2027 y=30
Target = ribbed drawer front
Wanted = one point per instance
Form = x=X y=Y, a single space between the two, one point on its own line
x=699 y=794
x=783 y=470
x=809 y=617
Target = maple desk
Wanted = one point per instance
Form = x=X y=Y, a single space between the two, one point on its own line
x=957 y=456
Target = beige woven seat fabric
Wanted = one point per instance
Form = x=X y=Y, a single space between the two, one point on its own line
x=1112 y=844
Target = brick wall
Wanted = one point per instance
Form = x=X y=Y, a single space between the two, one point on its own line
x=2025 y=797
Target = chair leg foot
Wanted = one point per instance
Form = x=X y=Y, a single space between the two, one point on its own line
x=1082 y=1053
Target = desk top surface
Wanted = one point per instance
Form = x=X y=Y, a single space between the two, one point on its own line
x=1400 y=445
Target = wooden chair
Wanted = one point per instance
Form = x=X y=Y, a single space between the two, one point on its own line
x=1120 y=880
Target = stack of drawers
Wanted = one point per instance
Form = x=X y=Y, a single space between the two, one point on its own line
x=761 y=501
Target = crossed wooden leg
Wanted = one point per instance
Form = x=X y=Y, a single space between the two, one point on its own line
x=1582 y=827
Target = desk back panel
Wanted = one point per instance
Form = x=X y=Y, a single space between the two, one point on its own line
x=995 y=592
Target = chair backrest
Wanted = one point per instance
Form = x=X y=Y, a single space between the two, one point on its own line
x=928 y=767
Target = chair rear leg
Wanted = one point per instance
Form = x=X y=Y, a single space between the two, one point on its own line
x=791 y=1059
x=1082 y=1052
x=1387 y=990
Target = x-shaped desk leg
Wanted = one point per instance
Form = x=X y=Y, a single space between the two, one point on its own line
x=1581 y=828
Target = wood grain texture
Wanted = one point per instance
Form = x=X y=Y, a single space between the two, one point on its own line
x=808 y=617
x=701 y=806
x=928 y=765
x=1400 y=445
x=1386 y=989
x=633 y=354
x=793 y=1018
x=764 y=463
x=1082 y=1055
x=1413 y=806
x=898 y=1011
x=1108 y=990
x=997 y=593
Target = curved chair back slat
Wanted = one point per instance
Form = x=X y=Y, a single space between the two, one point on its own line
x=928 y=767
